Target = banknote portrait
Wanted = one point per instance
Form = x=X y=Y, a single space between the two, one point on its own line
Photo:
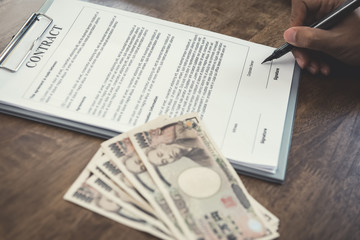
x=174 y=141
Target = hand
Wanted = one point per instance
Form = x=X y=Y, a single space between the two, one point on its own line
x=341 y=42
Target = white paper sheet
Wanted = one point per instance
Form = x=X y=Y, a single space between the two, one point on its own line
x=115 y=69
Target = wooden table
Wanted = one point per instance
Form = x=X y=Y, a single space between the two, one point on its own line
x=320 y=198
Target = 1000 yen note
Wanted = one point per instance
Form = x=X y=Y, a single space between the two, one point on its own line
x=270 y=219
x=111 y=191
x=122 y=153
x=86 y=196
x=203 y=190
x=102 y=162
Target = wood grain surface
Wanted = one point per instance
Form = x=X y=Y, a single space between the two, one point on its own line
x=320 y=198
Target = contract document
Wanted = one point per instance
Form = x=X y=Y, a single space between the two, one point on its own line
x=110 y=70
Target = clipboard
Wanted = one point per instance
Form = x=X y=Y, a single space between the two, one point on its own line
x=25 y=40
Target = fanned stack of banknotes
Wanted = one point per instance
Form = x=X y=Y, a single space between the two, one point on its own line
x=168 y=178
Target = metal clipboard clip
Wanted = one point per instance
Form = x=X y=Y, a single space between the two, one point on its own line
x=21 y=45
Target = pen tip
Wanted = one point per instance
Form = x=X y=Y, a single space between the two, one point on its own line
x=267 y=59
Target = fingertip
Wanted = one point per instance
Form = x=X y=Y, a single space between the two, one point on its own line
x=300 y=62
x=313 y=68
x=301 y=58
x=290 y=36
x=325 y=69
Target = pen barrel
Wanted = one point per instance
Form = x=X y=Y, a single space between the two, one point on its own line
x=282 y=50
x=337 y=15
x=285 y=47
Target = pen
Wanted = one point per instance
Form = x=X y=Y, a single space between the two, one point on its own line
x=325 y=23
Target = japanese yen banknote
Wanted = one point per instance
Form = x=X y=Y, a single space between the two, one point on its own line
x=171 y=181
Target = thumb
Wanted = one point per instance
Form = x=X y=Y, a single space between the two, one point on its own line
x=310 y=38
